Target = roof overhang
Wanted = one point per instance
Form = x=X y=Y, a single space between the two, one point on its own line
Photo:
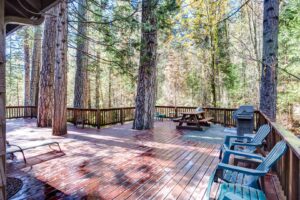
x=25 y=12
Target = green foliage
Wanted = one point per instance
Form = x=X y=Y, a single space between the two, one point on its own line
x=289 y=48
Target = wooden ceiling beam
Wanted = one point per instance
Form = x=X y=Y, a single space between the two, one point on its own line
x=23 y=21
x=23 y=12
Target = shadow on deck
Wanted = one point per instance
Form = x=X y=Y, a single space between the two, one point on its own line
x=115 y=162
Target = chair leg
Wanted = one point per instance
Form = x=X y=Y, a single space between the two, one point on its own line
x=221 y=152
x=25 y=161
x=57 y=144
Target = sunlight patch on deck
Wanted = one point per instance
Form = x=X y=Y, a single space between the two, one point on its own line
x=215 y=134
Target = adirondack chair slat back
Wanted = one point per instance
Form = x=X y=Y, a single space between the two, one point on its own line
x=261 y=134
x=199 y=109
x=278 y=150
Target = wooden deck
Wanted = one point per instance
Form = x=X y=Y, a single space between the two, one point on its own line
x=112 y=163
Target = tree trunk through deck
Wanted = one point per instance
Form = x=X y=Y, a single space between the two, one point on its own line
x=268 y=89
x=59 y=121
x=81 y=82
x=2 y=105
x=145 y=98
x=26 y=70
x=45 y=102
x=35 y=66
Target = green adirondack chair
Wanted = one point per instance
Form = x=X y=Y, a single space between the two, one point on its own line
x=249 y=144
x=229 y=191
x=245 y=176
x=160 y=116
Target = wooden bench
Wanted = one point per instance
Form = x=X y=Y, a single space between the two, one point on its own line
x=202 y=122
x=206 y=121
x=12 y=148
x=176 y=119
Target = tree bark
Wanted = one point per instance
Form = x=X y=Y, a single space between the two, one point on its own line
x=45 y=103
x=81 y=85
x=2 y=105
x=35 y=66
x=213 y=69
x=89 y=100
x=252 y=24
x=26 y=69
x=268 y=89
x=59 y=121
x=145 y=98
x=109 y=88
x=97 y=82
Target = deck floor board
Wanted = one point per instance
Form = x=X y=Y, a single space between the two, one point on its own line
x=111 y=163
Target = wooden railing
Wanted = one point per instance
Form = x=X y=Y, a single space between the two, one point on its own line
x=222 y=116
x=20 y=112
x=100 y=117
x=288 y=168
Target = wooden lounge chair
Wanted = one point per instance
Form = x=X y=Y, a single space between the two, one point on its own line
x=245 y=176
x=12 y=148
x=251 y=143
x=229 y=191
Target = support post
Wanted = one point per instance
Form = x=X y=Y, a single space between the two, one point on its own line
x=121 y=116
x=31 y=112
x=75 y=117
x=98 y=118
x=2 y=104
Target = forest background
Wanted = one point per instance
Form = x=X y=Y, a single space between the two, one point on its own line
x=209 y=54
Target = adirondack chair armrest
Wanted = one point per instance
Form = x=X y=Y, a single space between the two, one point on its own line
x=245 y=144
x=240 y=153
x=228 y=139
x=238 y=137
x=227 y=154
x=243 y=170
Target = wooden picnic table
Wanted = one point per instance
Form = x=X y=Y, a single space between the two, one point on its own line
x=192 y=120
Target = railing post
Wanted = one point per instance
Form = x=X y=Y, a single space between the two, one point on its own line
x=31 y=114
x=121 y=116
x=75 y=117
x=98 y=118
x=225 y=118
x=176 y=112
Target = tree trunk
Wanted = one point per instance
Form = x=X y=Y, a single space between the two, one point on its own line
x=80 y=98
x=97 y=82
x=213 y=70
x=268 y=89
x=2 y=105
x=252 y=24
x=145 y=98
x=45 y=103
x=26 y=69
x=59 y=121
x=109 y=88
x=88 y=95
x=35 y=66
